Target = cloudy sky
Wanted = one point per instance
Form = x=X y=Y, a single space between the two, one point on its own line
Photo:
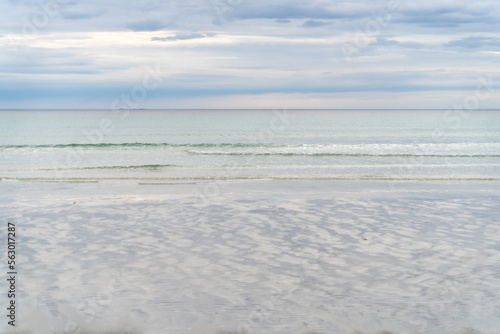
x=249 y=54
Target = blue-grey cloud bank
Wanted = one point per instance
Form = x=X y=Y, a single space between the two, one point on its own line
x=249 y=54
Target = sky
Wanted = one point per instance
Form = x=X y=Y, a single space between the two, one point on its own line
x=244 y=54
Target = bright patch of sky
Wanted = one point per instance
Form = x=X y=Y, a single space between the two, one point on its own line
x=248 y=54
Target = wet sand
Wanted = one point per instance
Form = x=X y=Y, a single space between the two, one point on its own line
x=257 y=256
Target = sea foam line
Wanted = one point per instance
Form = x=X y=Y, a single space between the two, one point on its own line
x=254 y=178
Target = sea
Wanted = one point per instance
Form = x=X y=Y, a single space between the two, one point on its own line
x=179 y=145
x=250 y=221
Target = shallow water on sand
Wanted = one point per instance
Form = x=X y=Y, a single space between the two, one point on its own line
x=257 y=256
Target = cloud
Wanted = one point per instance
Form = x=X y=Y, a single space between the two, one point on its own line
x=314 y=24
x=291 y=10
x=384 y=41
x=475 y=42
x=80 y=15
x=273 y=47
x=449 y=16
x=73 y=10
x=146 y=25
x=182 y=37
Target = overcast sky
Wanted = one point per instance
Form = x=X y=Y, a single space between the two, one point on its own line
x=249 y=54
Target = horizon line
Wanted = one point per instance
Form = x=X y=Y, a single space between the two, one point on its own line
x=244 y=109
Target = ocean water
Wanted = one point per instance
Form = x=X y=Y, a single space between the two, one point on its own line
x=252 y=221
x=249 y=144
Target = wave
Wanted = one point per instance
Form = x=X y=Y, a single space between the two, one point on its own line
x=136 y=144
x=313 y=154
x=120 y=167
x=401 y=150
x=251 y=178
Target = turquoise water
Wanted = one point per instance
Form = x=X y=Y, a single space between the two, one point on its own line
x=127 y=237
x=249 y=144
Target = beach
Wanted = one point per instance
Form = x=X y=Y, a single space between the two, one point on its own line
x=249 y=167
x=250 y=221
x=256 y=256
